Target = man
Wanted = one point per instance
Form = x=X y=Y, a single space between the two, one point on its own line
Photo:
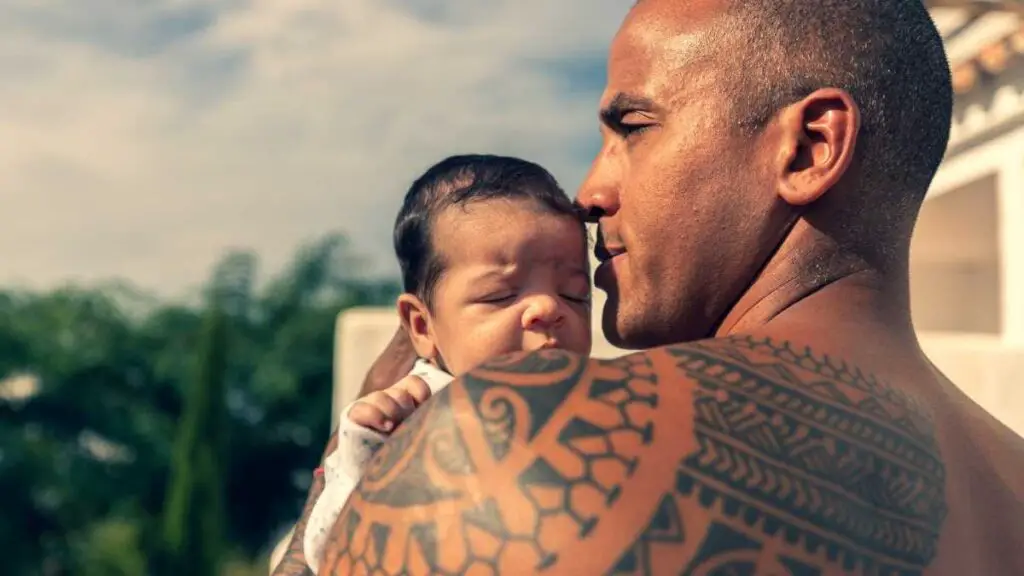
x=762 y=168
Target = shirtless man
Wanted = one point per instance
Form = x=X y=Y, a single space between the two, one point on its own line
x=762 y=168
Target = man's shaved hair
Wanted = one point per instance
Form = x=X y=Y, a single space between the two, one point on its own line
x=887 y=54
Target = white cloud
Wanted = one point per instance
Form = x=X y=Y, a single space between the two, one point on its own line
x=140 y=140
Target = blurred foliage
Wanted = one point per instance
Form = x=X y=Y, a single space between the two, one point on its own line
x=102 y=389
x=194 y=512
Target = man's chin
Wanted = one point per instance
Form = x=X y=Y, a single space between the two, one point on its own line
x=623 y=343
x=620 y=332
x=626 y=339
x=633 y=332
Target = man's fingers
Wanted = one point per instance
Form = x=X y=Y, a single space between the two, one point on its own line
x=416 y=388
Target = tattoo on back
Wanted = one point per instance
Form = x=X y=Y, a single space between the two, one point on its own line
x=726 y=457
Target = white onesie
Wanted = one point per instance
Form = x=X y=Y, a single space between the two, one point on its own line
x=344 y=467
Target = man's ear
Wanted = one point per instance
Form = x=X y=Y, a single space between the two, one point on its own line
x=416 y=321
x=818 y=135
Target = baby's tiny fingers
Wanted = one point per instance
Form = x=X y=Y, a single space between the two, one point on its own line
x=404 y=400
x=416 y=387
x=370 y=416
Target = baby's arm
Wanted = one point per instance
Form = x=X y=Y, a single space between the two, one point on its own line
x=363 y=428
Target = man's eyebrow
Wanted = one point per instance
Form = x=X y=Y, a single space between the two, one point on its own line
x=623 y=103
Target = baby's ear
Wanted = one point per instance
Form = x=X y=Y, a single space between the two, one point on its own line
x=416 y=321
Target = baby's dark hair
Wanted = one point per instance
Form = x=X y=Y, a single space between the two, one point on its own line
x=458 y=181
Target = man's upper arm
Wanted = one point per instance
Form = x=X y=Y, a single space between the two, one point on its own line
x=740 y=456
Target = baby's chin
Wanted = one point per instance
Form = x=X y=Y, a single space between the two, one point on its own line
x=496 y=358
x=581 y=350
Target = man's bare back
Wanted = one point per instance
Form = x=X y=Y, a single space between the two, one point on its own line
x=729 y=456
x=984 y=531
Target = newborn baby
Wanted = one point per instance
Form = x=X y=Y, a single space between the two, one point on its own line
x=493 y=258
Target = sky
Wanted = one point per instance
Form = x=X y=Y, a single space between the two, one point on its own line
x=144 y=139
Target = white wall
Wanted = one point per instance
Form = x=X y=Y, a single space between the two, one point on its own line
x=998 y=164
x=955 y=261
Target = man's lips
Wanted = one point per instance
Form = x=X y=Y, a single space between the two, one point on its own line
x=604 y=253
x=609 y=259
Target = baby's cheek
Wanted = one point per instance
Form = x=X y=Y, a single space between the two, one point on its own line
x=485 y=341
x=582 y=337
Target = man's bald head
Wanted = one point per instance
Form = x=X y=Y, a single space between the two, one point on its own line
x=887 y=54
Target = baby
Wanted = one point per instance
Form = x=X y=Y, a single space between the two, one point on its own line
x=494 y=260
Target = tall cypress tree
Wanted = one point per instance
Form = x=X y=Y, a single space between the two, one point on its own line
x=194 y=522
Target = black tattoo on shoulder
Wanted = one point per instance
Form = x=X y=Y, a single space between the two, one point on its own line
x=725 y=457
x=810 y=450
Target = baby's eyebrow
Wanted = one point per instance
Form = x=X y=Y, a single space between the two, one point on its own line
x=491 y=274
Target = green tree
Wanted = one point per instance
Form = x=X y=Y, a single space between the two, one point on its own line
x=85 y=443
x=194 y=516
x=85 y=457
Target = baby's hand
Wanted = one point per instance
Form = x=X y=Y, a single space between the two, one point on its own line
x=384 y=410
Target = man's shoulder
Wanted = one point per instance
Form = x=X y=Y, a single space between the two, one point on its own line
x=758 y=369
x=769 y=440
x=771 y=379
x=687 y=458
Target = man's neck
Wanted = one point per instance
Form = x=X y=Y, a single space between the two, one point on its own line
x=811 y=278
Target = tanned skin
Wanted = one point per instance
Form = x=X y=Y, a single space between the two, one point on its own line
x=783 y=421
x=394 y=362
x=740 y=454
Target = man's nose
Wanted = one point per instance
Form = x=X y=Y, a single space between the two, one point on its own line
x=598 y=196
x=543 y=312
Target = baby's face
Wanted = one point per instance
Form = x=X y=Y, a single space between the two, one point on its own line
x=515 y=278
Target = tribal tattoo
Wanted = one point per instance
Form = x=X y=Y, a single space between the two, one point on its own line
x=734 y=457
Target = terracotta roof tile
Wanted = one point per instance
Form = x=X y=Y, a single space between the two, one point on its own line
x=991 y=59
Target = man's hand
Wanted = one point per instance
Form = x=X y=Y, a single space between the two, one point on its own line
x=384 y=410
x=393 y=363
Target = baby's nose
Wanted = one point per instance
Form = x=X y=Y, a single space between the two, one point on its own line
x=543 y=312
